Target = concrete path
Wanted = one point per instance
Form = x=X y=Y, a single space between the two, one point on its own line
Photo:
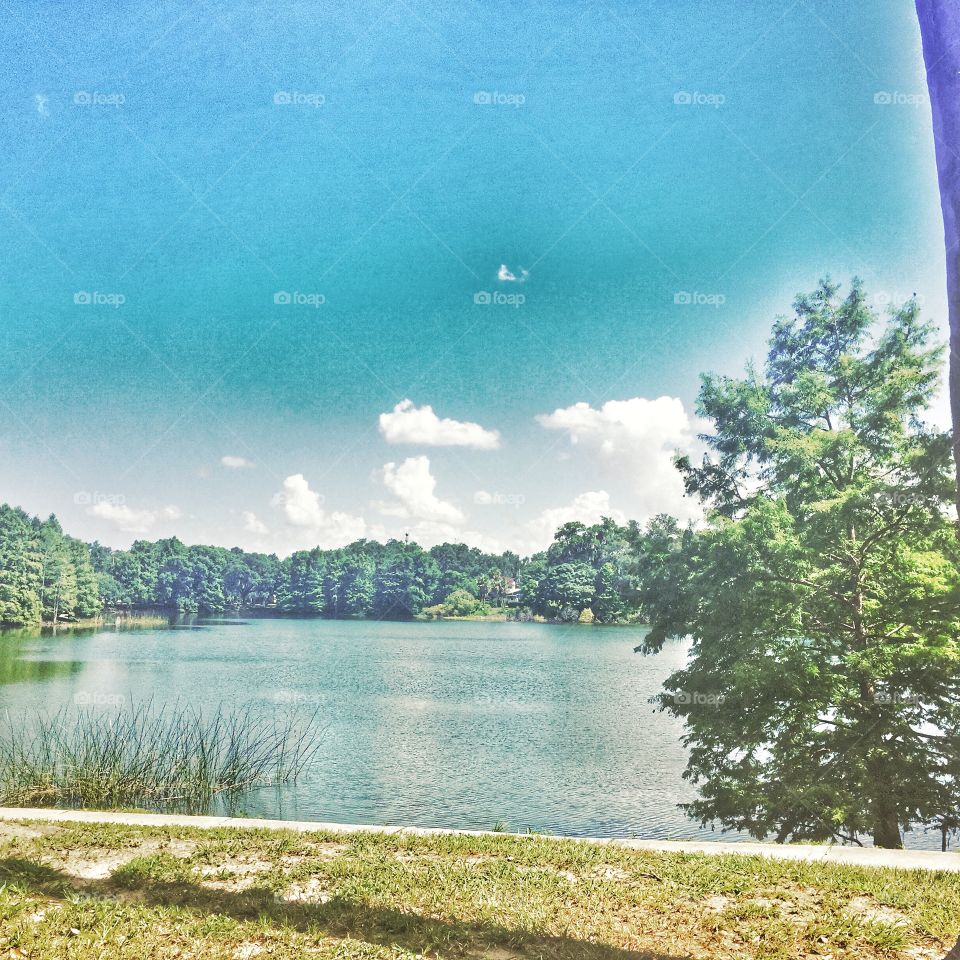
x=857 y=856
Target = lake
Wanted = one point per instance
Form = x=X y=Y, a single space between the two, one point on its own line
x=436 y=724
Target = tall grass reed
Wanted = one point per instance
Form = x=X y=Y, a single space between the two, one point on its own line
x=172 y=757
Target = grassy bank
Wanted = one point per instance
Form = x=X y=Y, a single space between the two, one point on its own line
x=100 y=891
x=114 y=621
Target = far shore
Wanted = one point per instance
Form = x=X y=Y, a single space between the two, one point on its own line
x=133 y=621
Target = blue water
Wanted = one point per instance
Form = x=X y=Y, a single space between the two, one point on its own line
x=433 y=724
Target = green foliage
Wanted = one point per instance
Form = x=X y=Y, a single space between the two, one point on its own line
x=822 y=699
x=566 y=590
x=46 y=575
x=461 y=603
x=21 y=568
x=405 y=580
x=586 y=567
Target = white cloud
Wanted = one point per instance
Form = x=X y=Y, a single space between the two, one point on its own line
x=236 y=463
x=410 y=424
x=128 y=519
x=303 y=507
x=252 y=524
x=413 y=485
x=505 y=274
x=635 y=439
x=589 y=508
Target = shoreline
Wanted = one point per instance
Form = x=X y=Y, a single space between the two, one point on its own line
x=144 y=621
x=929 y=860
x=148 y=621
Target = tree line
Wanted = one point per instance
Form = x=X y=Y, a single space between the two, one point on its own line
x=589 y=572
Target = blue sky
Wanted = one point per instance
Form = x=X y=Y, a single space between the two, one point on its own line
x=245 y=248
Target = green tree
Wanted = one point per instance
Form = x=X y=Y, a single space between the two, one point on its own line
x=21 y=568
x=566 y=590
x=460 y=603
x=608 y=603
x=59 y=578
x=405 y=581
x=88 y=602
x=358 y=585
x=823 y=599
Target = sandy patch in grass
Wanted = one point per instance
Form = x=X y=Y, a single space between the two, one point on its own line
x=183 y=849
x=865 y=908
x=313 y=891
x=604 y=871
x=247 y=950
x=717 y=903
x=232 y=874
x=18 y=831
x=100 y=864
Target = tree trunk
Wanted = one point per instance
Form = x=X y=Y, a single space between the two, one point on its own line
x=886 y=828
x=940 y=32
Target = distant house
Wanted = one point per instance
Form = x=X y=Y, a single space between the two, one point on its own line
x=511 y=592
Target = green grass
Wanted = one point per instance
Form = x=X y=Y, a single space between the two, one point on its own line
x=172 y=758
x=101 y=891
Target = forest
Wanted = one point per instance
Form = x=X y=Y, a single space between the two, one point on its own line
x=47 y=576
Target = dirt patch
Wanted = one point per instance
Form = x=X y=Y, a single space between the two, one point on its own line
x=232 y=875
x=101 y=864
x=312 y=891
x=865 y=908
x=18 y=831
x=248 y=950
x=604 y=871
x=923 y=953
x=184 y=849
x=717 y=903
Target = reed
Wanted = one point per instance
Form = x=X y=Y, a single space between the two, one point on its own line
x=172 y=757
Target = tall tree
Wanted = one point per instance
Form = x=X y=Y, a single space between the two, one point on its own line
x=822 y=697
x=940 y=32
x=21 y=568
